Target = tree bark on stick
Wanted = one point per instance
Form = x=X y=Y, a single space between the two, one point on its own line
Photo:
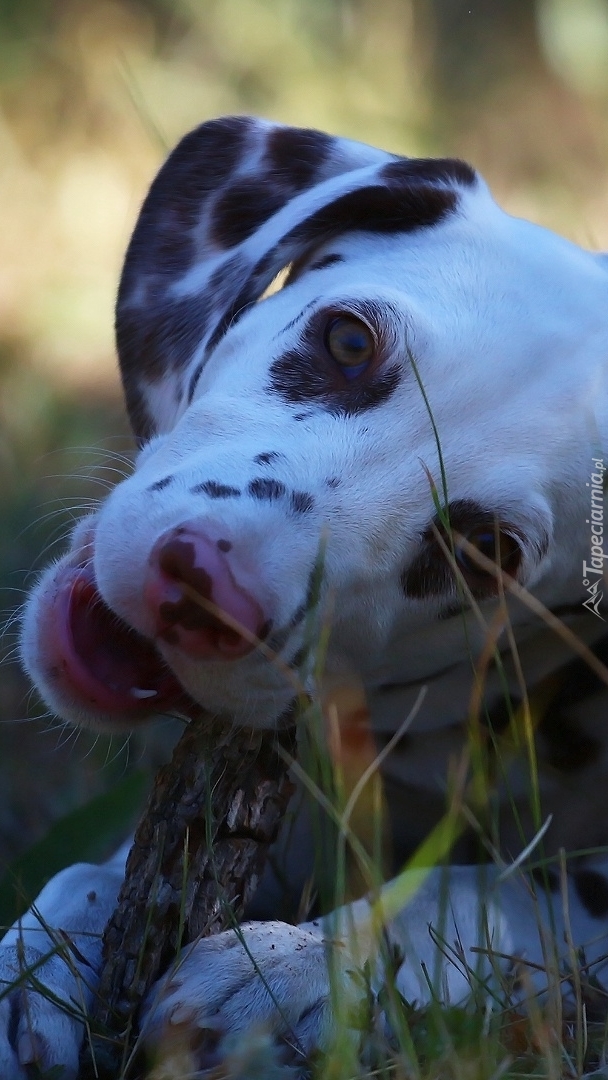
x=196 y=859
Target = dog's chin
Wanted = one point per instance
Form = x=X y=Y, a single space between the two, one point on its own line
x=89 y=666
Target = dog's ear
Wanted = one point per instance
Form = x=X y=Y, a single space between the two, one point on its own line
x=196 y=244
x=237 y=201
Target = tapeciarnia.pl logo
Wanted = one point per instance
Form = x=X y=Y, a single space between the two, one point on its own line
x=593 y=571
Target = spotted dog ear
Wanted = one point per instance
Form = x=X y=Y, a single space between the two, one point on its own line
x=237 y=201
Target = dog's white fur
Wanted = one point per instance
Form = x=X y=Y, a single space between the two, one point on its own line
x=507 y=327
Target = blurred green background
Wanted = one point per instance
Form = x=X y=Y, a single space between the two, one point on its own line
x=92 y=93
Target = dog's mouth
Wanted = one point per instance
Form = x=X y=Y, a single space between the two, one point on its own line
x=109 y=666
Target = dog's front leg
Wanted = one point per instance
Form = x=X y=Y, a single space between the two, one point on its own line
x=49 y=968
x=428 y=933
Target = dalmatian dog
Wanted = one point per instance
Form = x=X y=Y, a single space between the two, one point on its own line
x=422 y=398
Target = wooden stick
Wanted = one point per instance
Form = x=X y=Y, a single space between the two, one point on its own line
x=196 y=859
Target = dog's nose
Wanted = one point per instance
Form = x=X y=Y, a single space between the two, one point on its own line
x=196 y=600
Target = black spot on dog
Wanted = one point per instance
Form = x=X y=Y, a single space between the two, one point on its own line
x=300 y=656
x=198 y=166
x=302 y=415
x=14 y=1018
x=226 y=279
x=297 y=616
x=333 y=481
x=453 y=611
x=547 y=879
x=142 y=421
x=427 y=575
x=243 y=207
x=264 y=264
x=280 y=636
x=215 y=490
x=301 y=502
x=223 y=286
x=155 y=333
x=592 y=889
x=327 y=260
x=297 y=318
x=568 y=747
x=431 y=572
x=430 y=170
x=196 y=374
x=379 y=208
x=224 y=545
x=266 y=458
x=263 y=488
x=576 y=683
x=298 y=378
x=297 y=154
x=308 y=373
x=498 y=716
x=301 y=266
x=158 y=485
x=161 y=338
x=222 y=276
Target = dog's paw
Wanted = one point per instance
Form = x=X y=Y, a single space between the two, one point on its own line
x=40 y=1003
x=268 y=977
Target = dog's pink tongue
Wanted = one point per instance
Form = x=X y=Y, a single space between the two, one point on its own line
x=107 y=664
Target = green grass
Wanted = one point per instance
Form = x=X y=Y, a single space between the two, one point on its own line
x=492 y=1035
x=489 y=1036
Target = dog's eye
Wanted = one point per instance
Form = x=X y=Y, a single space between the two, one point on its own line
x=350 y=343
x=499 y=546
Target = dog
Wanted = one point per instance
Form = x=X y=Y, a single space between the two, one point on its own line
x=336 y=356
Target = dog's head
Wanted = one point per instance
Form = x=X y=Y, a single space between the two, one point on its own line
x=425 y=355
